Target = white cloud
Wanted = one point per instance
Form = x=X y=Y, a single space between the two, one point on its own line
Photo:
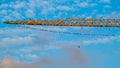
x=47 y=10
x=4 y=5
x=19 y=5
x=25 y=9
x=12 y=63
x=3 y=12
x=101 y=40
x=67 y=8
x=93 y=4
x=32 y=56
x=108 y=6
x=86 y=4
x=83 y=4
x=105 y=1
x=6 y=18
x=112 y=15
x=15 y=41
x=30 y=13
x=69 y=55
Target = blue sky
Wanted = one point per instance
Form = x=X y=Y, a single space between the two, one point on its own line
x=29 y=48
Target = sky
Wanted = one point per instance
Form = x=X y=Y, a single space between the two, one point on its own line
x=22 y=47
